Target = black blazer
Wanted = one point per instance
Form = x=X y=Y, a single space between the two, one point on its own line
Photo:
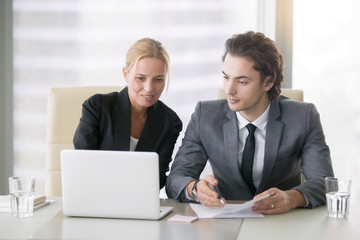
x=105 y=125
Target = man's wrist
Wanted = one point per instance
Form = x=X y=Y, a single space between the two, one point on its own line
x=189 y=189
x=192 y=190
x=296 y=198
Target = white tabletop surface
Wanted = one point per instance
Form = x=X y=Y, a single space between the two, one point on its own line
x=50 y=223
x=303 y=224
x=21 y=228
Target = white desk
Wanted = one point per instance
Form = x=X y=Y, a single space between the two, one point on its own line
x=303 y=224
x=49 y=223
x=21 y=228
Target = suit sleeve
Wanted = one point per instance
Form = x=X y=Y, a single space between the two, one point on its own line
x=315 y=161
x=87 y=133
x=190 y=160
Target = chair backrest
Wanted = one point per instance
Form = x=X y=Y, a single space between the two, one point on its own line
x=64 y=112
x=295 y=94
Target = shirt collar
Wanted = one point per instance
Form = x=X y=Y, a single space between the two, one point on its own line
x=260 y=122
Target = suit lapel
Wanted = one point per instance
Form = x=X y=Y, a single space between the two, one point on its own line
x=122 y=121
x=151 y=132
x=272 y=142
x=231 y=142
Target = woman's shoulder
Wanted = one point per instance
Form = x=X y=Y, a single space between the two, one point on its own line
x=162 y=108
x=102 y=97
x=100 y=102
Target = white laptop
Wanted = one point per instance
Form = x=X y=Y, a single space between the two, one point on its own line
x=111 y=184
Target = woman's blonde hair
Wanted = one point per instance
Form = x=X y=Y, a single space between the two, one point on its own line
x=147 y=47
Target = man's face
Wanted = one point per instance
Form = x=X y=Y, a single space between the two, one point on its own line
x=245 y=91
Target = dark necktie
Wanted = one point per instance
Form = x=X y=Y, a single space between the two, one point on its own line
x=248 y=158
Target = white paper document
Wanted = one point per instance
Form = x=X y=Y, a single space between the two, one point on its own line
x=229 y=210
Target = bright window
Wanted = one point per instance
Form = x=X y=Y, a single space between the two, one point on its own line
x=83 y=42
x=326 y=66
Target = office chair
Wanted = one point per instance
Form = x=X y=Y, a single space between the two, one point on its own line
x=290 y=93
x=64 y=112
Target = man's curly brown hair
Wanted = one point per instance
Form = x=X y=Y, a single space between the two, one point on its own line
x=265 y=54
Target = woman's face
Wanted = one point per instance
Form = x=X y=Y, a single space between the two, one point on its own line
x=146 y=81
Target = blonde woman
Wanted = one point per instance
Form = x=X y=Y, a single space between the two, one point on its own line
x=134 y=119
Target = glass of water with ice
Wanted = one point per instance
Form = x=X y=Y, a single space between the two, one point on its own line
x=337 y=196
x=22 y=196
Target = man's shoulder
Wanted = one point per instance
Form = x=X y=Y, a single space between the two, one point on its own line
x=293 y=109
x=289 y=103
x=214 y=111
x=219 y=105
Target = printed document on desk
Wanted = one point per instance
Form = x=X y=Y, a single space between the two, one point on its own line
x=229 y=210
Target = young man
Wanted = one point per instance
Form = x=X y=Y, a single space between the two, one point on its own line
x=284 y=139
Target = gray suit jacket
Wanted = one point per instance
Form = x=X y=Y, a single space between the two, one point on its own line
x=294 y=144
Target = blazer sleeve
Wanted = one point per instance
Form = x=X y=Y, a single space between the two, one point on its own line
x=315 y=161
x=167 y=147
x=190 y=160
x=88 y=131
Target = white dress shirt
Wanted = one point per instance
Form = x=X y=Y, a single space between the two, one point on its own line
x=133 y=143
x=260 y=135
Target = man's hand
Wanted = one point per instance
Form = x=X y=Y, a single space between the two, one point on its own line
x=205 y=194
x=279 y=201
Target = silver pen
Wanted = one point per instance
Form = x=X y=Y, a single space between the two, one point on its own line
x=216 y=189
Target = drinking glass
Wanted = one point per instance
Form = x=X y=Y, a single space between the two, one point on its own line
x=337 y=196
x=22 y=196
